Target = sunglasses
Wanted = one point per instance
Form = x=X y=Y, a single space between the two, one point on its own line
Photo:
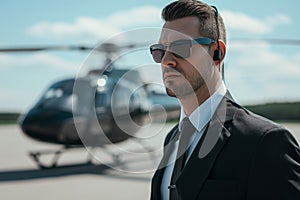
x=179 y=48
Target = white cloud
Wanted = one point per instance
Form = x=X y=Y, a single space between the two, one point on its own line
x=85 y=26
x=241 y=22
x=143 y=16
x=37 y=60
x=99 y=28
x=260 y=70
x=261 y=54
x=278 y=19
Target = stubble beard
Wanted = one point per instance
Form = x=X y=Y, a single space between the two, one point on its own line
x=189 y=87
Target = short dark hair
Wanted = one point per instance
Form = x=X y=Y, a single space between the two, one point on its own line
x=205 y=13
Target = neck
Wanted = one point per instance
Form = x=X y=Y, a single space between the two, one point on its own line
x=194 y=100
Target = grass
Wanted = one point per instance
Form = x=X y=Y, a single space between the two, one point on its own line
x=9 y=118
x=280 y=112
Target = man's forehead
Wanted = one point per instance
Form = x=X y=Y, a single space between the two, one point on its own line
x=169 y=35
x=183 y=28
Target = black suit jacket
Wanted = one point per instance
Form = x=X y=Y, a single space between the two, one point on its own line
x=240 y=156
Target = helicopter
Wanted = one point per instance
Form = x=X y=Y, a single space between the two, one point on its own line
x=107 y=106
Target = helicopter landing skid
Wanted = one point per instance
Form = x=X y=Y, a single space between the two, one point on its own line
x=36 y=156
x=56 y=154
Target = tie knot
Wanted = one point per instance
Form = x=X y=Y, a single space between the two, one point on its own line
x=186 y=135
x=187 y=127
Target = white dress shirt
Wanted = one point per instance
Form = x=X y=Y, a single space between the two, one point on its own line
x=199 y=118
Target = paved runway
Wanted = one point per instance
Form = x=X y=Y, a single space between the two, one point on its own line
x=20 y=178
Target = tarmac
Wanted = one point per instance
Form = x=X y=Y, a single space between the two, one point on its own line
x=20 y=177
x=74 y=178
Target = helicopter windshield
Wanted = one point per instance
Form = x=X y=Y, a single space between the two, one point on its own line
x=58 y=97
x=60 y=89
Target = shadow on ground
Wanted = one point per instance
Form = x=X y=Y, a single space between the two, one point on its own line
x=70 y=170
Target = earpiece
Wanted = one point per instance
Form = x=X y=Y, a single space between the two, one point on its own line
x=217 y=53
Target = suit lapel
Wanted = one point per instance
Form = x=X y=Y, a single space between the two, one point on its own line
x=156 y=183
x=198 y=167
x=157 y=178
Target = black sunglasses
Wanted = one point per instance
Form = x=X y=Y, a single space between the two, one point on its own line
x=179 y=48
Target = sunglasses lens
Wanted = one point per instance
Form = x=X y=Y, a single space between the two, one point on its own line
x=158 y=55
x=157 y=52
x=181 y=49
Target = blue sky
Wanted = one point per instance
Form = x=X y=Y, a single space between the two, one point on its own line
x=255 y=72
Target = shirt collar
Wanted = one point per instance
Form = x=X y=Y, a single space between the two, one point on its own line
x=203 y=114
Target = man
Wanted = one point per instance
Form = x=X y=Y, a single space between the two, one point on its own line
x=230 y=152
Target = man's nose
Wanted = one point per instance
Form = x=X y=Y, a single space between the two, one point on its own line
x=168 y=59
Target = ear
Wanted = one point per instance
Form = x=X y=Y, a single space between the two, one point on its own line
x=218 y=52
x=222 y=47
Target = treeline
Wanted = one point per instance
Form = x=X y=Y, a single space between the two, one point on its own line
x=9 y=118
x=278 y=111
x=273 y=111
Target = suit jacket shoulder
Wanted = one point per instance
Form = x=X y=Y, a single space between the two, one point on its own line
x=264 y=156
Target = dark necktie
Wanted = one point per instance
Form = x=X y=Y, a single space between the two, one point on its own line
x=186 y=133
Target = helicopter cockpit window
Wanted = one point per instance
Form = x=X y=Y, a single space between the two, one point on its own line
x=59 y=90
x=54 y=93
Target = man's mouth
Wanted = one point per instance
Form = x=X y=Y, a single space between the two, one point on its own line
x=171 y=75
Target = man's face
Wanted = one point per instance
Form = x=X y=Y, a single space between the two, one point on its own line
x=185 y=76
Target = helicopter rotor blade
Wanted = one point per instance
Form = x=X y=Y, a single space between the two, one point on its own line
x=113 y=48
x=104 y=47
x=275 y=41
x=44 y=48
